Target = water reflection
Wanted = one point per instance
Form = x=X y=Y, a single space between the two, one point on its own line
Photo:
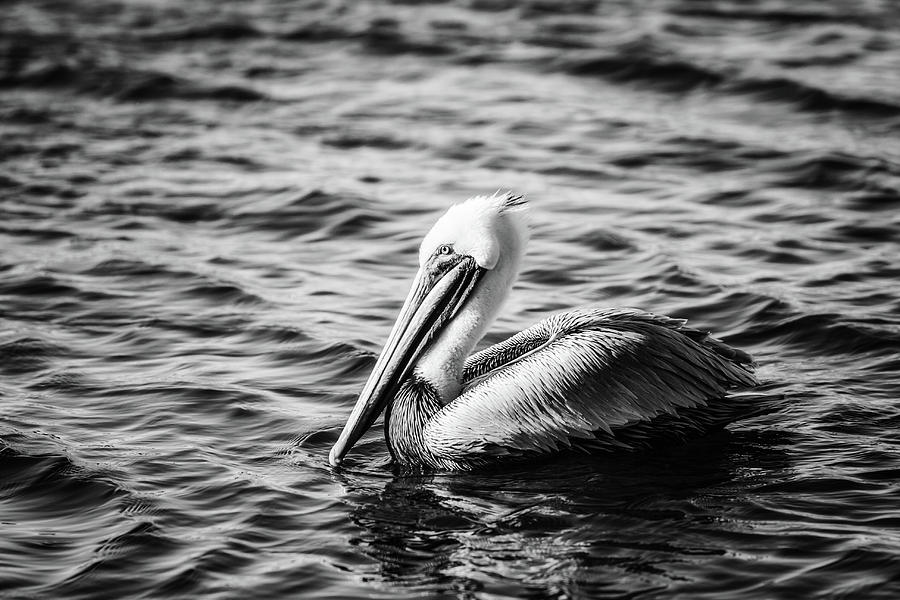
x=606 y=527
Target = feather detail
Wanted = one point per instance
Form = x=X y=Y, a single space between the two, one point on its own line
x=584 y=379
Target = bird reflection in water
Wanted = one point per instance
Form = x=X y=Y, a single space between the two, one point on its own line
x=563 y=527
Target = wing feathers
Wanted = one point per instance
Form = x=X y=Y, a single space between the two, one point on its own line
x=578 y=374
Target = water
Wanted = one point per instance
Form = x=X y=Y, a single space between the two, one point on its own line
x=208 y=220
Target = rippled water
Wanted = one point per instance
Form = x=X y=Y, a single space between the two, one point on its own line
x=208 y=218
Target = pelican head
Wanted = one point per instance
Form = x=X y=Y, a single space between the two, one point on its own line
x=467 y=264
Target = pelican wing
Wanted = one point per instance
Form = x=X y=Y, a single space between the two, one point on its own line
x=577 y=375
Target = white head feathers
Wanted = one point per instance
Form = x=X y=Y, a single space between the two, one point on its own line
x=483 y=227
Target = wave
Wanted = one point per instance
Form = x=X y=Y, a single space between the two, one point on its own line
x=383 y=36
x=868 y=202
x=47 y=286
x=316 y=32
x=331 y=359
x=126 y=268
x=228 y=30
x=807 y=97
x=28 y=354
x=197 y=154
x=186 y=284
x=285 y=211
x=350 y=140
x=785 y=17
x=180 y=211
x=53 y=481
x=604 y=240
x=222 y=293
x=698 y=153
x=775 y=323
x=838 y=171
x=638 y=62
x=313 y=212
x=125 y=84
x=71 y=527
x=646 y=62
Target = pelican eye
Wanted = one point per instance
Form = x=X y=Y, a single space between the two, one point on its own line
x=445 y=249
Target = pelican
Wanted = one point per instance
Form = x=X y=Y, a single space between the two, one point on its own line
x=588 y=379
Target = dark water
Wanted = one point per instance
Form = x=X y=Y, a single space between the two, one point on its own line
x=208 y=217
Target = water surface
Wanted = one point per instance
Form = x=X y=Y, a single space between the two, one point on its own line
x=209 y=215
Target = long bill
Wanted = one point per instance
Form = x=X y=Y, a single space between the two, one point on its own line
x=437 y=293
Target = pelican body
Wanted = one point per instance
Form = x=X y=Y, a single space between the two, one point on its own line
x=587 y=379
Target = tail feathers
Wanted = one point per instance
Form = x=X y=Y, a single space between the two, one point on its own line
x=730 y=352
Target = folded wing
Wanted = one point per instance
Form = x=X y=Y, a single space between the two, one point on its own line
x=578 y=377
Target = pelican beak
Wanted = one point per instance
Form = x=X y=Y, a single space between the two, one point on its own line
x=439 y=290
